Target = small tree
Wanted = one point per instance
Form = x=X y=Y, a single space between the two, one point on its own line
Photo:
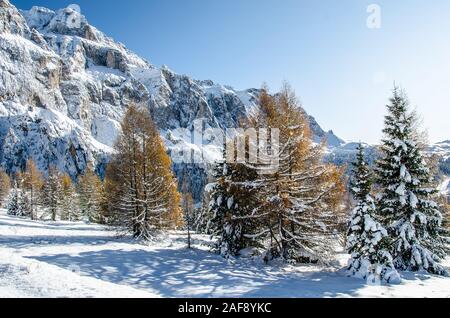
x=90 y=192
x=13 y=201
x=70 y=210
x=234 y=207
x=32 y=181
x=367 y=239
x=18 y=201
x=52 y=193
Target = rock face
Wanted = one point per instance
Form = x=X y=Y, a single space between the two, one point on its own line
x=64 y=87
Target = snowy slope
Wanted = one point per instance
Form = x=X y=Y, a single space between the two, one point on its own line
x=78 y=260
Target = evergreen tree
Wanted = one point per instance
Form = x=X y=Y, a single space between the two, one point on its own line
x=140 y=178
x=233 y=208
x=52 y=193
x=367 y=239
x=187 y=204
x=405 y=202
x=25 y=207
x=90 y=192
x=18 y=201
x=202 y=216
x=13 y=201
x=69 y=205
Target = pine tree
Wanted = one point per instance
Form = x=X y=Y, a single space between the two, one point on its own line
x=18 y=201
x=405 y=202
x=69 y=205
x=146 y=199
x=5 y=185
x=90 y=192
x=301 y=198
x=52 y=193
x=367 y=239
x=13 y=201
x=233 y=208
x=32 y=182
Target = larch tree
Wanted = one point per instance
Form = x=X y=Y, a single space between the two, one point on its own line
x=368 y=242
x=301 y=198
x=406 y=200
x=145 y=190
x=32 y=181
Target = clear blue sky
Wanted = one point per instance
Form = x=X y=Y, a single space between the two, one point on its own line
x=341 y=70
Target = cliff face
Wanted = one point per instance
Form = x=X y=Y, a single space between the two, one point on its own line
x=65 y=86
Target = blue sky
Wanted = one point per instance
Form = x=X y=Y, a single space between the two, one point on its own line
x=342 y=70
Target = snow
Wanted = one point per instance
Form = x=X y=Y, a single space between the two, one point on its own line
x=413 y=200
x=64 y=259
x=444 y=187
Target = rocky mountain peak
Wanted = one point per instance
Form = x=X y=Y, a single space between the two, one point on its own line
x=11 y=21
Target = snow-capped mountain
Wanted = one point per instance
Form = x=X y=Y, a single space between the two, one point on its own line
x=346 y=153
x=441 y=149
x=65 y=87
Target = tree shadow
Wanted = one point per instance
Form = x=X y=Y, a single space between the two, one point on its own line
x=198 y=274
x=19 y=242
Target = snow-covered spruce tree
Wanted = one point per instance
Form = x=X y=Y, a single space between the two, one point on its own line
x=70 y=210
x=18 y=202
x=51 y=194
x=233 y=208
x=367 y=239
x=89 y=193
x=405 y=202
x=300 y=201
x=13 y=201
x=141 y=186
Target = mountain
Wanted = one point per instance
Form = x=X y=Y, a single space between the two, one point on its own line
x=65 y=86
x=346 y=153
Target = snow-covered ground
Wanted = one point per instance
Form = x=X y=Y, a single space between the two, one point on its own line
x=64 y=259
